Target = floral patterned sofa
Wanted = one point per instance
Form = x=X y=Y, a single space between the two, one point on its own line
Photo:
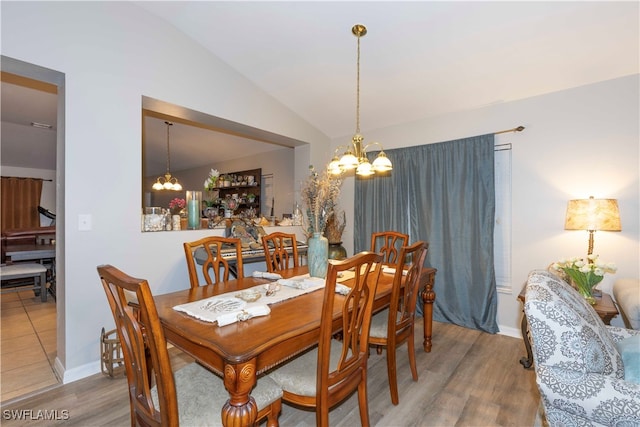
x=579 y=368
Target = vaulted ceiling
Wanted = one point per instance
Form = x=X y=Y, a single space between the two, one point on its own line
x=419 y=59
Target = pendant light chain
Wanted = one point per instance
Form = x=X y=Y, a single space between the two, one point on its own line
x=358 y=90
x=169 y=124
x=167 y=182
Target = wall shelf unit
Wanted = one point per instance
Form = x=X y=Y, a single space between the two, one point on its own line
x=244 y=186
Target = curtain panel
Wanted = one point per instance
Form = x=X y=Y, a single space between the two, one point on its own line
x=20 y=200
x=443 y=194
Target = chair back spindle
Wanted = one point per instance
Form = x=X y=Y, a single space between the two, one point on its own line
x=214 y=267
x=280 y=251
x=388 y=244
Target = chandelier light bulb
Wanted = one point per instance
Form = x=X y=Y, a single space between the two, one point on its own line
x=364 y=168
x=348 y=161
x=382 y=163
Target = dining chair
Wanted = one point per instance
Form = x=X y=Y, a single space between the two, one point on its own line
x=276 y=254
x=341 y=366
x=395 y=325
x=388 y=244
x=206 y=251
x=158 y=396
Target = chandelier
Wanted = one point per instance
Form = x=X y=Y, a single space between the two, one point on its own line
x=167 y=182
x=355 y=154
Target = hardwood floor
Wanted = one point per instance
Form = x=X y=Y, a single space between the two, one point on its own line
x=469 y=379
x=28 y=344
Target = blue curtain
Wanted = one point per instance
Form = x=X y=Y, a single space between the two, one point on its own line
x=443 y=194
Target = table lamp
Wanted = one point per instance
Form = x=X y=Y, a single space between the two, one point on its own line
x=591 y=215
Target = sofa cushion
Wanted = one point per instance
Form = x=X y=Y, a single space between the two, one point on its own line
x=569 y=333
x=626 y=292
x=629 y=349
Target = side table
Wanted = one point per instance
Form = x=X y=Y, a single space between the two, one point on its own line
x=604 y=306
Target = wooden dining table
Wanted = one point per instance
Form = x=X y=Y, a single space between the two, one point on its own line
x=242 y=351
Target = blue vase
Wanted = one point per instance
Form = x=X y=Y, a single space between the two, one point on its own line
x=194 y=204
x=318 y=255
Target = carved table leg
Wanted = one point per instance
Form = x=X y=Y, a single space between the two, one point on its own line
x=428 y=297
x=241 y=408
x=526 y=361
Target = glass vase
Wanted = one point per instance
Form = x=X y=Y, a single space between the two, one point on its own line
x=585 y=291
x=318 y=255
x=587 y=294
x=194 y=203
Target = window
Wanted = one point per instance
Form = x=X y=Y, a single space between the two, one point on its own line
x=502 y=230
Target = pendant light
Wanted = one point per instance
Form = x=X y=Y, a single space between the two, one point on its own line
x=167 y=182
x=355 y=154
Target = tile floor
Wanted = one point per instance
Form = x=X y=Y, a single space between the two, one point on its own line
x=28 y=344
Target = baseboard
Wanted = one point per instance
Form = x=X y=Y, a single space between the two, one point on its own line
x=510 y=332
x=75 y=374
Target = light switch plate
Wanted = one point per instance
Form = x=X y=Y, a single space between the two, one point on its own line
x=84 y=222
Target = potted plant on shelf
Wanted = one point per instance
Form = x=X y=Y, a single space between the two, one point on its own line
x=212 y=180
x=229 y=204
x=177 y=205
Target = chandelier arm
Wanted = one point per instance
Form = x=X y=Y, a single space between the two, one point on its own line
x=364 y=149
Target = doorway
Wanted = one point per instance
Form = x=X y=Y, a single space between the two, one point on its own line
x=39 y=77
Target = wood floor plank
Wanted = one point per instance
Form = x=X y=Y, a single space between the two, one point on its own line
x=469 y=379
x=21 y=343
x=34 y=376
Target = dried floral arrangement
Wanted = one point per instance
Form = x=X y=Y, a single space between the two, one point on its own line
x=336 y=223
x=319 y=196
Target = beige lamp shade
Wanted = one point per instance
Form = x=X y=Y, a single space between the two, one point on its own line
x=593 y=214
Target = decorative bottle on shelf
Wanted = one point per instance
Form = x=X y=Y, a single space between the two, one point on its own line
x=297 y=214
x=318 y=255
x=194 y=202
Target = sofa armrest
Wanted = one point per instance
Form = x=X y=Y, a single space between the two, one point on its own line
x=626 y=293
x=601 y=399
x=618 y=334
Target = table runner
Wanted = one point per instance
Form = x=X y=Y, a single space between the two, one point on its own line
x=228 y=308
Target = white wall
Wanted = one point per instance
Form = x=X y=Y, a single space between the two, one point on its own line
x=112 y=54
x=578 y=142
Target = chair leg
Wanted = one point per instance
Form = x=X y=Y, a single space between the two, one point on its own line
x=43 y=287
x=391 y=373
x=362 y=401
x=412 y=356
x=134 y=421
x=274 y=413
x=322 y=417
